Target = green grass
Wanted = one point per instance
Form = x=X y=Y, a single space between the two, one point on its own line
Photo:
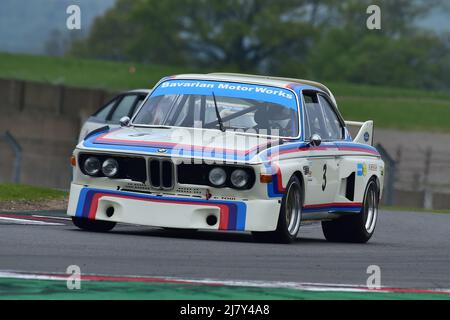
x=422 y=114
x=83 y=73
x=405 y=109
x=19 y=192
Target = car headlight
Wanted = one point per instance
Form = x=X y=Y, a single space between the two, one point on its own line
x=239 y=178
x=217 y=177
x=110 y=167
x=92 y=166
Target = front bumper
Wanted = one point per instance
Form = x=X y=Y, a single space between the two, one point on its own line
x=172 y=211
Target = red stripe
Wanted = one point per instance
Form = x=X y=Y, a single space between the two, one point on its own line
x=357 y=149
x=303 y=149
x=333 y=204
x=94 y=205
x=165 y=280
x=279 y=179
x=157 y=144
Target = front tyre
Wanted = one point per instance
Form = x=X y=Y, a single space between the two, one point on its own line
x=93 y=225
x=356 y=228
x=289 y=218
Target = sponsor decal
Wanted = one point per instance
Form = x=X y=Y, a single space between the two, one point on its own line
x=366 y=136
x=361 y=169
x=278 y=95
x=307 y=172
x=373 y=167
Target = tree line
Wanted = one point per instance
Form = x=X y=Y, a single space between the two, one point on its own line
x=325 y=40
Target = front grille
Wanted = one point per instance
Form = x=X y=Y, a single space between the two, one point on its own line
x=161 y=173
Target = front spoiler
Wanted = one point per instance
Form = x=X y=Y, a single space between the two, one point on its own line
x=172 y=211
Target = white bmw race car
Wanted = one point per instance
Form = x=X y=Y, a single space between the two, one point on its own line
x=231 y=152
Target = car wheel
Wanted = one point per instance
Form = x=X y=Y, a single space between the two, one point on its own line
x=93 y=225
x=356 y=228
x=290 y=216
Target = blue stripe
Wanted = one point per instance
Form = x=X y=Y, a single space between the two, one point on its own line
x=332 y=209
x=81 y=202
x=232 y=217
x=241 y=215
x=220 y=155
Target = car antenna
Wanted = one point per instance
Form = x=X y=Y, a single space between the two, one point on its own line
x=219 y=118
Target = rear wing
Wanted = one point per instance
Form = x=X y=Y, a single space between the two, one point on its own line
x=365 y=133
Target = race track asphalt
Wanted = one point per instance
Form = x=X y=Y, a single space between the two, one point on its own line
x=412 y=250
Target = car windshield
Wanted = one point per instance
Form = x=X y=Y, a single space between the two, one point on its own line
x=247 y=108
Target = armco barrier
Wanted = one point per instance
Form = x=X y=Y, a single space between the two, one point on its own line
x=11 y=94
x=45 y=119
x=39 y=97
x=75 y=100
x=441 y=201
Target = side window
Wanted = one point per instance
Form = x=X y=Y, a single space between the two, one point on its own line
x=315 y=122
x=332 y=123
x=138 y=103
x=123 y=108
x=161 y=108
x=104 y=112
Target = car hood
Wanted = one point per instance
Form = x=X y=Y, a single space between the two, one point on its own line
x=181 y=142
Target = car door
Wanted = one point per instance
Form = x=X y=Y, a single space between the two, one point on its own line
x=323 y=178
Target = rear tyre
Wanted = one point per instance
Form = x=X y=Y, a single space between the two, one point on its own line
x=93 y=225
x=356 y=228
x=289 y=218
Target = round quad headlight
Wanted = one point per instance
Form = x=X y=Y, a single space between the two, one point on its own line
x=217 y=177
x=110 y=167
x=239 y=178
x=92 y=166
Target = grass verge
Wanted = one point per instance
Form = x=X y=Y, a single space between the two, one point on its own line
x=20 y=192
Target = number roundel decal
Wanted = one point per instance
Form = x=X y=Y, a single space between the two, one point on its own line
x=324 y=183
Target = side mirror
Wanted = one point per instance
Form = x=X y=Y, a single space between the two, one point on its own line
x=315 y=140
x=124 y=121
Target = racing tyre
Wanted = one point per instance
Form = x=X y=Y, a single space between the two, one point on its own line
x=289 y=218
x=356 y=228
x=93 y=225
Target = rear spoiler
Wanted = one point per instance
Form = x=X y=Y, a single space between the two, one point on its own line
x=365 y=133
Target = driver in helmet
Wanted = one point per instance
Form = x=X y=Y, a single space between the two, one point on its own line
x=272 y=119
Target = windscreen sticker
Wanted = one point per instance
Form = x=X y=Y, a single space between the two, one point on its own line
x=280 y=96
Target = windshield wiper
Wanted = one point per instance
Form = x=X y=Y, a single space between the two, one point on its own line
x=219 y=118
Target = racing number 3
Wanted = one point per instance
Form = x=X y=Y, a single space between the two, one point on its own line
x=324 y=183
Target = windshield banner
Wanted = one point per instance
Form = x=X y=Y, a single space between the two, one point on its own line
x=277 y=95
